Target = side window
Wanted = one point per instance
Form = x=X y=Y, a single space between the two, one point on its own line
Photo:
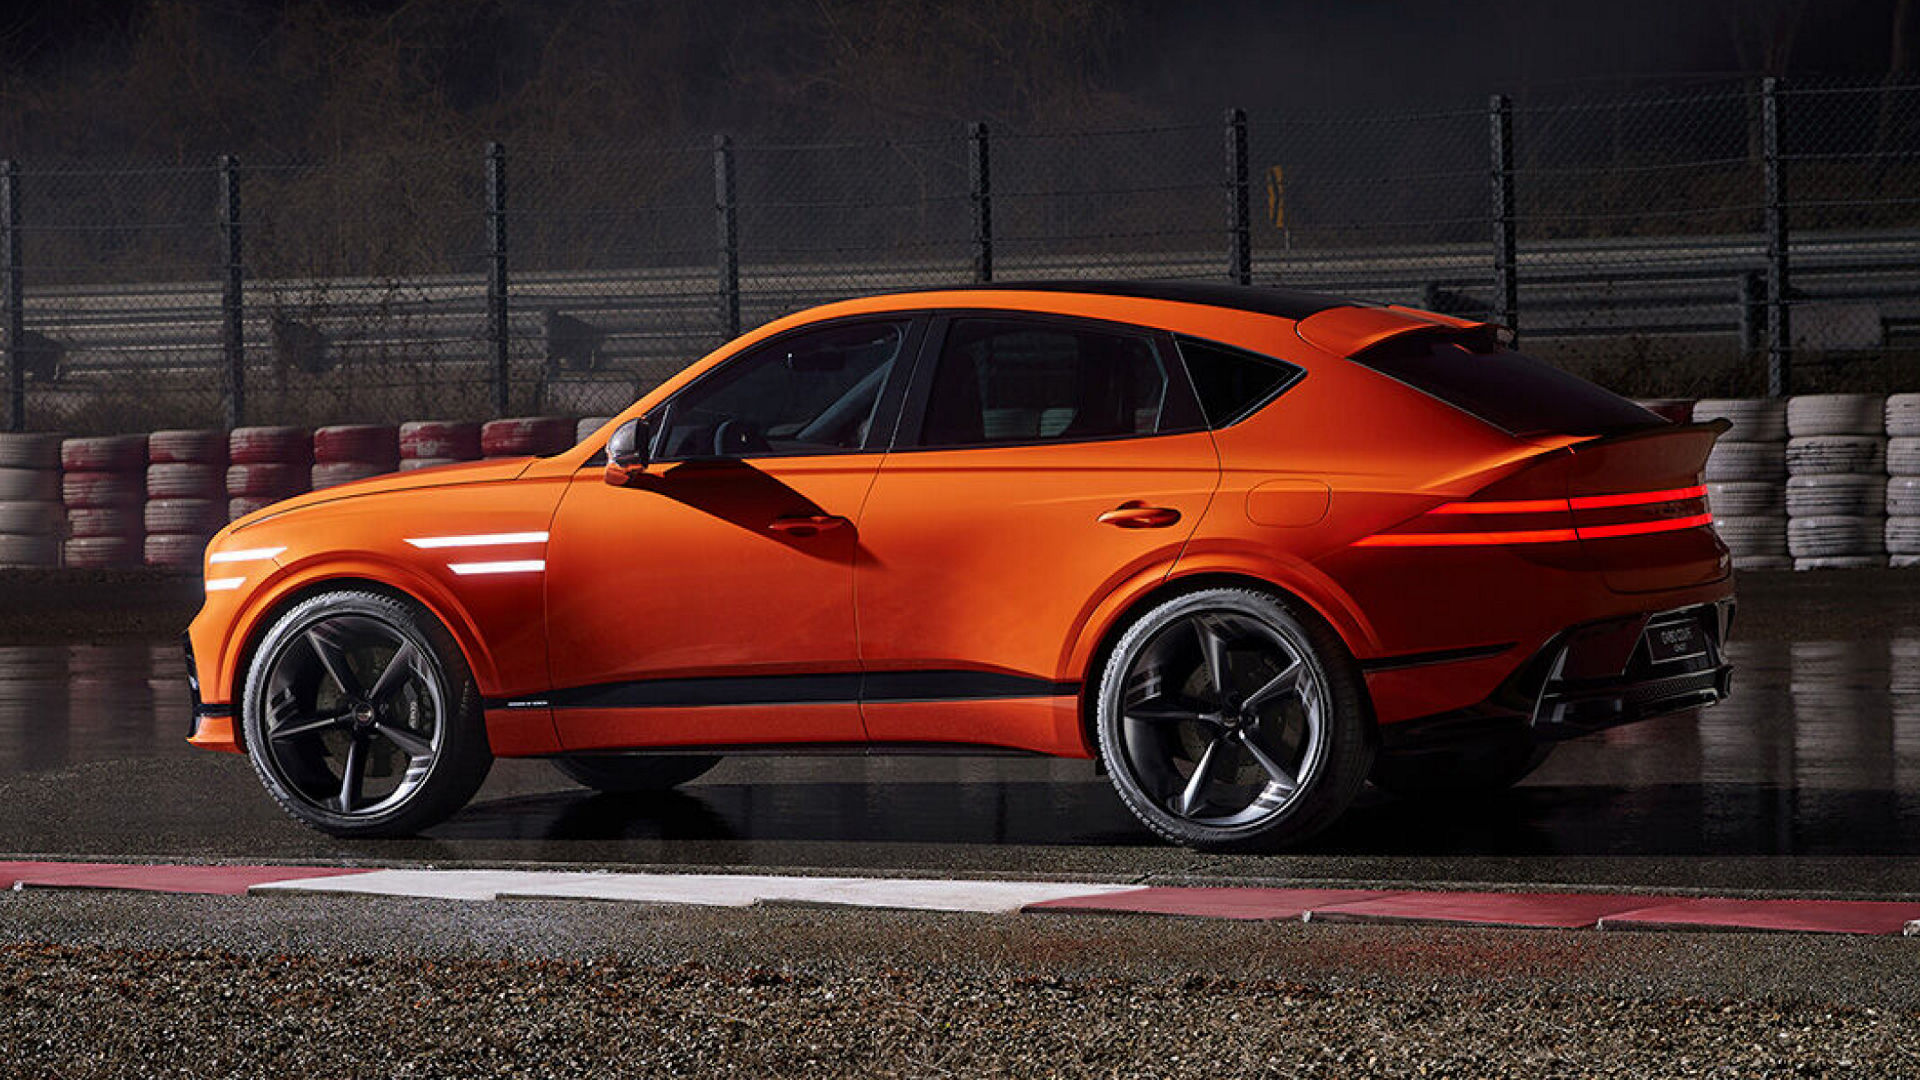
x=810 y=393
x=1232 y=383
x=1005 y=381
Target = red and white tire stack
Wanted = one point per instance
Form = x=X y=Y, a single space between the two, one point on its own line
x=31 y=517
x=524 y=435
x=105 y=489
x=186 y=495
x=266 y=465
x=427 y=443
x=352 y=452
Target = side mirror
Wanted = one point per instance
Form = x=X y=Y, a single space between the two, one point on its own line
x=627 y=451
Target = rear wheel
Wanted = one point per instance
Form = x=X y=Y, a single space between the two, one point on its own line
x=1230 y=722
x=1473 y=770
x=361 y=718
x=626 y=775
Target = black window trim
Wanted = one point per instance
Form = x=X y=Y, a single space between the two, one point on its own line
x=913 y=413
x=1298 y=376
x=886 y=414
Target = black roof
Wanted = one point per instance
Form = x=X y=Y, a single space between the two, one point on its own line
x=1282 y=303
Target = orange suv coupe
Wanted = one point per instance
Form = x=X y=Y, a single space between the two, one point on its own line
x=1247 y=548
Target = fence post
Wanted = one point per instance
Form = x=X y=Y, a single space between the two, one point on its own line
x=497 y=325
x=1239 y=223
x=1506 y=237
x=981 y=179
x=16 y=315
x=233 y=340
x=727 y=221
x=1753 y=316
x=1779 y=308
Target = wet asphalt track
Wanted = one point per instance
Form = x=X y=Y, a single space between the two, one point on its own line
x=1807 y=780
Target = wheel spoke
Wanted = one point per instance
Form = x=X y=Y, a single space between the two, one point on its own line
x=1282 y=683
x=1170 y=709
x=409 y=743
x=1282 y=777
x=352 y=773
x=1196 y=790
x=1214 y=647
x=306 y=725
x=334 y=659
x=395 y=675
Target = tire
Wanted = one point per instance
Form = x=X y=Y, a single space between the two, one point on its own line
x=1903 y=456
x=1904 y=562
x=426 y=727
x=29 y=485
x=187 y=448
x=1746 y=499
x=1903 y=496
x=1762 y=562
x=1841 y=562
x=1836 y=494
x=270 y=446
x=1748 y=462
x=1754 y=419
x=266 y=480
x=29 y=550
x=1303 y=746
x=102 y=491
x=1836 y=414
x=110 y=521
x=29 y=450
x=186 y=517
x=438 y=439
x=1903 y=415
x=1753 y=535
x=241 y=507
x=176 y=481
x=1475 y=770
x=414 y=464
x=1817 y=455
x=1834 y=537
x=174 y=550
x=38 y=518
x=1903 y=536
x=524 y=435
x=334 y=473
x=373 y=444
x=111 y=453
x=623 y=774
x=101 y=552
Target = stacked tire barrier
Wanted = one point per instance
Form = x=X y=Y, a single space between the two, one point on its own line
x=353 y=452
x=265 y=465
x=186 y=495
x=1745 y=475
x=1903 y=480
x=1836 y=481
x=104 y=488
x=32 y=517
x=427 y=443
x=523 y=435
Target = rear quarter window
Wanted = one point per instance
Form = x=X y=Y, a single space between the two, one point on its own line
x=1510 y=390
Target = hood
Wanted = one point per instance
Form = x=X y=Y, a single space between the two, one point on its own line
x=494 y=470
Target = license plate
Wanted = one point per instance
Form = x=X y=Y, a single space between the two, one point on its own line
x=1675 y=641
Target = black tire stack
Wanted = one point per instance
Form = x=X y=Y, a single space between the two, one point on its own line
x=31 y=515
x=264 y=466
x=425 y=444
x=1837 y=481
x=105 y=491
x=352 y=452
x=1744 y=477
x=186 y=495
x=1903 y=480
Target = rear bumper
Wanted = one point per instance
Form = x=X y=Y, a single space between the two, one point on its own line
x=1589 y=678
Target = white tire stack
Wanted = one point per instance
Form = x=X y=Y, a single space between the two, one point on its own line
x=266 y=465
x=1903 y=479
x=1836 y=486
x=31 y=515
x=186 y=495
x=427 y=443
x=352 y=452
x=524 y=435
x=1744 y=478
x=105 y=490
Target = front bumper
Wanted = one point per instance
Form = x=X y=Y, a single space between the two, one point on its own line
x=1592 y=677
x=210 y=727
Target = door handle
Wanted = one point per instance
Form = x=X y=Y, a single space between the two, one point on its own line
x=1138 y=515
x=802 y=526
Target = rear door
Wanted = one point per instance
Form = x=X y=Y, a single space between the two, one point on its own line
x=1041 y=462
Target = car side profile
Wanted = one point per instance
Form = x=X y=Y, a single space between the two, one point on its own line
x=1247 y=548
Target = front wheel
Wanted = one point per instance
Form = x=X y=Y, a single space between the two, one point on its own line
x=1229 y=722
x=361 y=718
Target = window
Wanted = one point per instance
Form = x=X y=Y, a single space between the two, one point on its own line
x=1232 y=383
x=1510 y=390
x=1002 y=381
x=813 y=392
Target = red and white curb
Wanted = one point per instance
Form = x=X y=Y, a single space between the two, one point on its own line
x=1537 y=910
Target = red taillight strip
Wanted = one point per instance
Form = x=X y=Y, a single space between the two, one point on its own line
x=1520 y=506
x=1638 y=498
x=1640 y=528
x=1529 y=536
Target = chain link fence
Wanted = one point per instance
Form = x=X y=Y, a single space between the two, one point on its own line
x=1735 y=239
